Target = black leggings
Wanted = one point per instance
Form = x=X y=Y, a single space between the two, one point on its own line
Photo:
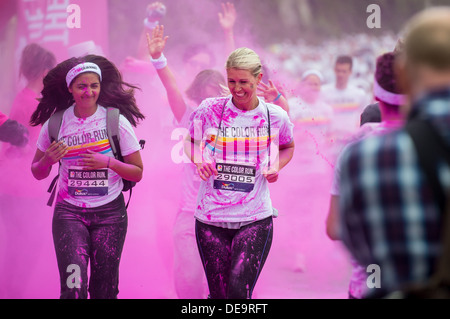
x=95 y=234
x=233 y=258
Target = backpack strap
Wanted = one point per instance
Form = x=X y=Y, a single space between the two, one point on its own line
x=54 y=125
x=112 y=128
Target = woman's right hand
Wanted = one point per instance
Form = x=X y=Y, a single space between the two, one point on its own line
x=156 y=42
x=206 y=170
x=54 y=153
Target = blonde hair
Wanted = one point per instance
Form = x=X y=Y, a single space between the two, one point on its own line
x=427 y=38
x=244 y=59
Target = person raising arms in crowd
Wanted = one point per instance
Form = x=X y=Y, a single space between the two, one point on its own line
x=90 y=218
x=233 y=217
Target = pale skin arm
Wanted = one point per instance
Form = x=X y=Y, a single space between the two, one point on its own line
x=284 y=157
x=205 y=170
x=156 y=44
x=130 y=169
x=332 y=218
x=227 y=19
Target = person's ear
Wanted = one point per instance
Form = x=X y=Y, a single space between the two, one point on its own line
x=259 y=78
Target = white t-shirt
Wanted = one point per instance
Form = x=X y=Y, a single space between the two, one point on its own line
x=239 y=193
x=347 y=105
x=86 y=188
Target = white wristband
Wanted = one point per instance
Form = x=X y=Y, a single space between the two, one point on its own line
x=160 y=62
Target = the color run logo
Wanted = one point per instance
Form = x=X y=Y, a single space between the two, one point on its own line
x=257 y=144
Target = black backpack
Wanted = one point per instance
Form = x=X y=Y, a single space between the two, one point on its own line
x=112 y=128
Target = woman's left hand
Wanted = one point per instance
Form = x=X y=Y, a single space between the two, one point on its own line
x=94 y=160
x=270 y=92
x=270 y=174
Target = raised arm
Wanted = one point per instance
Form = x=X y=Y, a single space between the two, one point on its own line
x=273 y=95
x=156 y=44
x=227 y=18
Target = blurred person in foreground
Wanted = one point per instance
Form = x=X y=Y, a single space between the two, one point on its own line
x=379 y=118
x=389 y=215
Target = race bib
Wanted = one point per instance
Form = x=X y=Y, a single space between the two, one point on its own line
x=235 y=177
x=87 y=183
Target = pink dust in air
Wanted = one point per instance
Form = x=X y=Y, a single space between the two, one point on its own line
x=303 y=262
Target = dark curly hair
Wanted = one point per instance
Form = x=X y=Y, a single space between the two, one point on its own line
x=114 y=91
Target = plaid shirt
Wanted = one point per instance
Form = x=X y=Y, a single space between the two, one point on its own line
x=389 y=216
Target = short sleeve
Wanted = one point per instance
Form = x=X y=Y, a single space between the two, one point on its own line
x=336 y=178
x=286 y=134
x=196 y=121
x=43 y=141
x=128 y=140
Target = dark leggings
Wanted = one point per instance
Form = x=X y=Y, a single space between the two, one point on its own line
x=233 y=258
x=95 y=234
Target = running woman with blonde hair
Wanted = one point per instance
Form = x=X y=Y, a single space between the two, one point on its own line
x=234 y=226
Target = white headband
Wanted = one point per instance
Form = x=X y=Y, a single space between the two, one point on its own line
x=388 y=97
x=312 y=72
x=82 y=68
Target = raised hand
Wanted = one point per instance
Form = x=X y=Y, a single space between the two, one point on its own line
x=270 y=92
x=227 y=18
x=156 y=42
